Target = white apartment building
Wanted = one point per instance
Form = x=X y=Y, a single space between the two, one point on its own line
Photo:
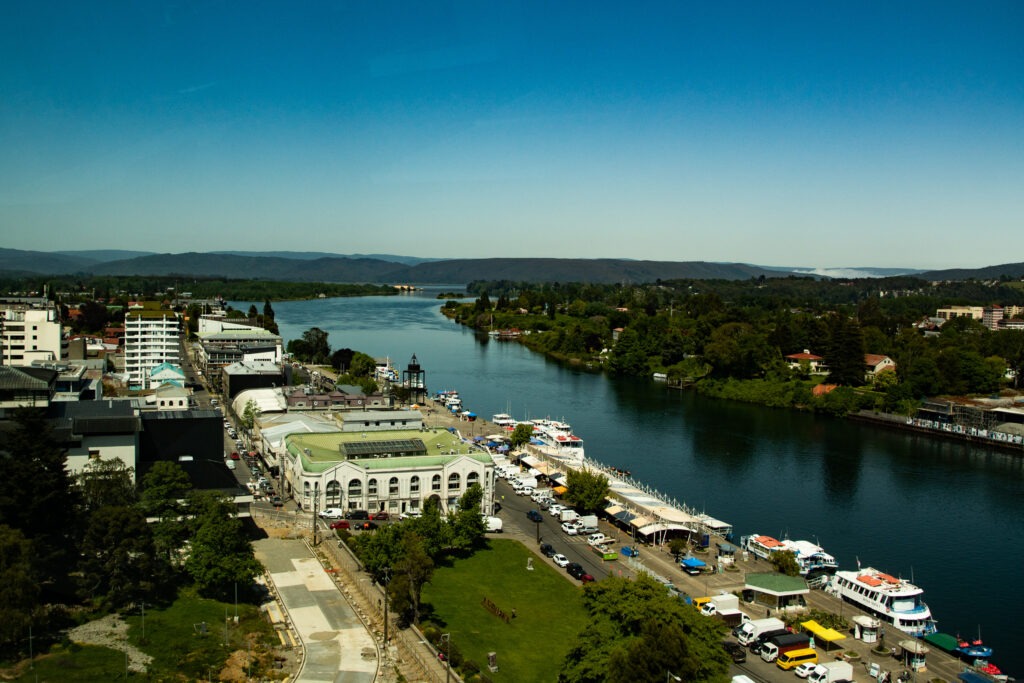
x=151 y=337
x=31 y=331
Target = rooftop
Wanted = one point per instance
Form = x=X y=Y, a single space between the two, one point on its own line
x=320 y=451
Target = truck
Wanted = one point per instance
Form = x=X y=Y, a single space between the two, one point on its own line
x=493 y=524
x=732 y=617
x=776 y=645
x=605 y=552
x=830 y=672
x=588 y=522
x=718 y=603
x=568 y=515
x=752 y=629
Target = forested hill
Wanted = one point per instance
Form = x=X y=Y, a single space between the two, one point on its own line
x=374 y=270
x=1011 y=270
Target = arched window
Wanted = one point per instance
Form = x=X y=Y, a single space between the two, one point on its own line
x=305 y=489
x=393 y=486
x=454 y=481
x=333 y=493
x=414 y=485
x=472 y=478
x=371 y=487
x=355 y=488
x=435 y=483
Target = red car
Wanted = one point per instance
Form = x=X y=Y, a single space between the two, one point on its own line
x=586 y=578
x=380 y=515
x=234 y=455
x=340 y=524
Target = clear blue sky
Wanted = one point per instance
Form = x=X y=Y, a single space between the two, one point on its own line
x=792 y=133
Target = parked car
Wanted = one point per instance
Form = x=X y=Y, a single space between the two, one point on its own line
x=410 y=514
x=231 y=464
x=357 y=514
x=575 y=570
x=547 y=550
x=534 y=516
x=340 y=524
x=333 y=513
x=570 y=528
x=366 y=526
x=276 y=501
x=560 y=559
x=596 y=539
x=381 y=515
x=587 y=578
x=235 y=456
x=555 y=509
x=737 y=652
x=804 y=670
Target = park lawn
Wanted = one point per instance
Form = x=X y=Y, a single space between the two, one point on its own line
x=548 y=606
x=72 y=663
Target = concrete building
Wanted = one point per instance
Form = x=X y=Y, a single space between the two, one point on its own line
x=390 y=471
x=30 y=330
x=950 y=312
x=152 y=336
x=26 y=388
x=242 y=376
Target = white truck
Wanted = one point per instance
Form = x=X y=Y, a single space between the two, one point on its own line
x=588 y=522
x=752 y=629
x=494 y=524
x=830 y=672
x=568 y=515
x=720 y=603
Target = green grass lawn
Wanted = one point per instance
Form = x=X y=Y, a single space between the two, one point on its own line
x=179 y=651
x=548 y=606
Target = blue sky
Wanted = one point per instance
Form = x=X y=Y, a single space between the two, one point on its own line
x=795 y=134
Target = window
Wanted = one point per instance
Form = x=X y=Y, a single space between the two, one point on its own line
x=371 y=487
x=393 y=486
x=355 y=488
x=333 y=493
x=305 y=489
x=472 y=478
x=414 y=485
x=454 y=481
x=435 y=483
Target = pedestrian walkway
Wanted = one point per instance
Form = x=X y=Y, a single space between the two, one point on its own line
x=338 y=648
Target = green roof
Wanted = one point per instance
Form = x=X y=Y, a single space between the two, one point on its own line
x=321 y=451
x=776 y=584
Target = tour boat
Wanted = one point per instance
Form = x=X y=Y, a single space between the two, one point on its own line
x=504 y=420
x=558 y=439
x=810 y=557
x=894 y=601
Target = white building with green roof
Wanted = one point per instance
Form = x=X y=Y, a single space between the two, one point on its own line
x=391 y=471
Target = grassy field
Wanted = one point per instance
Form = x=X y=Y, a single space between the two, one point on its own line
x=547 y=604
x=173 y=639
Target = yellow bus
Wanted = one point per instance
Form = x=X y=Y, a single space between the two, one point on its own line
x=788 y=660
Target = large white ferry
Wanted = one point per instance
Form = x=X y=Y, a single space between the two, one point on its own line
x=811 y=557
x=557 y=438
x=894 y=601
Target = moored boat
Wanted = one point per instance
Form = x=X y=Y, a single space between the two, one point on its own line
x=810 y=557
x=895 y=601
x=503 y=420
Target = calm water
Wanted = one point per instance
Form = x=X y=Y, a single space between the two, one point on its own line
x=946 y=514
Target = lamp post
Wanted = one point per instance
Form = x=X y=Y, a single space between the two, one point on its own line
x=669 y=677
x=387 y=582
x=446 y=638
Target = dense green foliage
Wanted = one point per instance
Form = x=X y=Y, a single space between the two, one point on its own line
x=587 y=490
x=637 y=632
x=730 y=338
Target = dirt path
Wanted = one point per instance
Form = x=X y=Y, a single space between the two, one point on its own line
x=111 y=631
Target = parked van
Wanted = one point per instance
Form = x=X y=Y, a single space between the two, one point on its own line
x=789 y=660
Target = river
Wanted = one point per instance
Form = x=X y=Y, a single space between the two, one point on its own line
x=947 y=514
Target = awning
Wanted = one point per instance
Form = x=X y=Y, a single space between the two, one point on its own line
x=655 y=527
x=558 y=478
x=624 y=516
x=641 y=521
x=827 y=634
x=693 y=562
x=560 y=490
x=917 y=647
x=613 y=510
x=530 y=460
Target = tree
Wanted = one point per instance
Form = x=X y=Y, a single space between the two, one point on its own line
x=220 y=557
x=37 y=484
x=785 y=562
x=637 y=632
x=587 y=489
x=19 y=587
x=117 y=566
x=106 y=482
x=415 y=569
x=845 y=356
x=248 y=417
x=467 y=523
x=521 y=435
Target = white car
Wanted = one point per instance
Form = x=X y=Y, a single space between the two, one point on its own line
x=597 y=539
x=411 y=514
x=804 y=670
x=561 y=560
x=556 y=509
x=570 y=528
x=333 y=513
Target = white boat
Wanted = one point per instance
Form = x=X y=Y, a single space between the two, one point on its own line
x=557 y=438
x=895 y=601
x=811 y=557
x=504 y=420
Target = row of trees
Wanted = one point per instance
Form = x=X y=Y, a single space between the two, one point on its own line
x=352 y=367
x=99 y=541
x=717 y=332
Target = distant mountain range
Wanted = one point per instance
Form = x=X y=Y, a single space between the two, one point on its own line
x=384 y=268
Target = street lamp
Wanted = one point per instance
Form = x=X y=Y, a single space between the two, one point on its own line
x=446 y=638
x=669 y=677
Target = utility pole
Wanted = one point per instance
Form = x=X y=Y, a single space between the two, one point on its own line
x=387 y=582
x=316 y=508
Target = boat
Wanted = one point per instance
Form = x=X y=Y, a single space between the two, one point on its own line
x=810 y=557
x=503 y=420
x=557 y=439
x=894 y=601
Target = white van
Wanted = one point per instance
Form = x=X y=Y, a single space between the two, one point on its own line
x=230 y=463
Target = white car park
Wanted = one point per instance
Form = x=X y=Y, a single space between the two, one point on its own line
x=561 y=560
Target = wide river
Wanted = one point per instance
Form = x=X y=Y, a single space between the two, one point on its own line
x=947 y=515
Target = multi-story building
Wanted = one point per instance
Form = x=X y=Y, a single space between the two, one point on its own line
x=30 y=331
x=152 y=336
x=950 y=312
